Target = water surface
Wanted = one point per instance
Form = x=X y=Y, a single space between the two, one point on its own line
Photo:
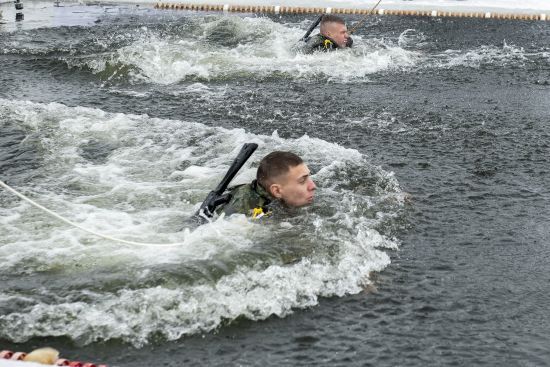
x=124 y=122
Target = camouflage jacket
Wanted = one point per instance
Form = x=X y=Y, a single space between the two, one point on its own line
x=249 y=199
x=319 y=43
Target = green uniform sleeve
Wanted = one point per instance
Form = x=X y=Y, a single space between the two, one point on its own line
x=244 y=199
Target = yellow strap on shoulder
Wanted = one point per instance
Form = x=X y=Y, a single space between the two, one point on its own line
x=258 y=213
x=327 y=44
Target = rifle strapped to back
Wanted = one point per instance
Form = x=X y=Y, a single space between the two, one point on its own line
x=217 y=197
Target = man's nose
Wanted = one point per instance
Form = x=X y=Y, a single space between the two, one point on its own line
x=311 y=185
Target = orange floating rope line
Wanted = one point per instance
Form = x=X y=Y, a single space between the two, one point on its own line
x=283 y=9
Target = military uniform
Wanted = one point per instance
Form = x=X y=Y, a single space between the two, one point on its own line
x=319 y=43
x=322 y=43
x=249 y=199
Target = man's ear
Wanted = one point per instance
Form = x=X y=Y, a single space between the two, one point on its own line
x=275 y=191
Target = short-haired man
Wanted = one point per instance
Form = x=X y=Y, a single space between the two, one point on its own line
x=281 y=177
x=333 y=35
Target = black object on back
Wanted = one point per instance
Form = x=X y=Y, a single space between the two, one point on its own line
x=311 y=28
x=216 y=197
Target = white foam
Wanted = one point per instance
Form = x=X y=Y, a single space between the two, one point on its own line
x=484 y=55
x=229 y=268
x=251 y=46
x=222 y=47
x=132 y=315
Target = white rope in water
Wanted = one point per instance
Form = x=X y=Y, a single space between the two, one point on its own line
x=13 y=191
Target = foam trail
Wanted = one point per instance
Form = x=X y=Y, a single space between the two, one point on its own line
x=146 y=177
x=232 y=47
x=65 y=220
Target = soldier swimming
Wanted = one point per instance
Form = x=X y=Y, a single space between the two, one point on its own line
x=282 y=178
x=333 y=34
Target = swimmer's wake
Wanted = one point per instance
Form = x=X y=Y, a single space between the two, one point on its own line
x=214 y=199
x=76 y=225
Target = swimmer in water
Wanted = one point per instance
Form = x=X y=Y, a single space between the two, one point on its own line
x=333 y=35
x=282 y=177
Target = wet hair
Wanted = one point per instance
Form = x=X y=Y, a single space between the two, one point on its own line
x=329 y=18
x=274 y=165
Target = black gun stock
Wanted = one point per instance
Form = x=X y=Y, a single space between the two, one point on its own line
x=216 y=197
x=311 y=28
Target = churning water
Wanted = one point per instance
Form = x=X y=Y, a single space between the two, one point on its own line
x=125 y=122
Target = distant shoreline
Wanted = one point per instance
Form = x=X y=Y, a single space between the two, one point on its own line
x=385 y=4
x=421 y=5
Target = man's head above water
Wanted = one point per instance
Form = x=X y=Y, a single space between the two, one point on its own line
x=334 y=27
x=286 y=177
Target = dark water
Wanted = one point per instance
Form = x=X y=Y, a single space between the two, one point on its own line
x=462 y=120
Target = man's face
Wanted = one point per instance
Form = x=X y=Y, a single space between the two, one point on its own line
x=338 y=33
x=295 y=188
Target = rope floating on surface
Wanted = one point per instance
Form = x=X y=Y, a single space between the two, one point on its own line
x=276 y=9
x=76 y=225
